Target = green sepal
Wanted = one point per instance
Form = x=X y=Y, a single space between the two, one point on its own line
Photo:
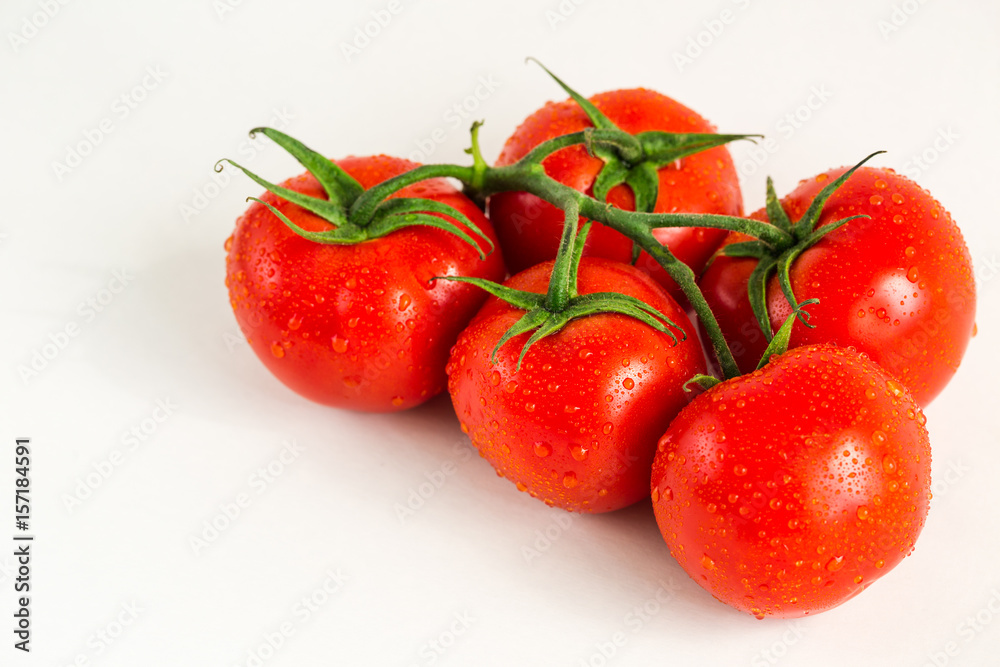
x=340 y=186
x=593 y=113
x=807 y=223
x=337 y=236
x=662 y=148
x=393 y=214
x=755 y=249
x=517 y=298
x=331 y=211
x=644 y=179
x=775 y=212
x=757 y=293
x=706 y=382
x=779 y=344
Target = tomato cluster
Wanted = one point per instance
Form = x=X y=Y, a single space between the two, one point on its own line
x=786 y=487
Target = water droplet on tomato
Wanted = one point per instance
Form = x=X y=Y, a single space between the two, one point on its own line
x=898 y=219
x=881 y=184
x=707 y=562
x=628 y=383
x=913 y=275
x=910 y=252
x=578 y=452
x=495 y=378
x=397 y=401
x=875 y=200
x=739 y=470
x=863 y=513
x=584 y=353
x=277 y=350
x=339 y=344
x=542 y=450
x=889 y=464
x=529 y=407
x=607 y=428
x=294 y=322
x=835 y=563
x=510 y=387
x=569 y=480
x=521 y=486
x=897 y=198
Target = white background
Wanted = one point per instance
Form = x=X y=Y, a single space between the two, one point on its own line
x=879 y=74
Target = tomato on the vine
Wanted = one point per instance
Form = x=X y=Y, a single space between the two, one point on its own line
x=361 y=326
x=897 y=286
x=790 y=490
x=706 y=182
x=577 y=425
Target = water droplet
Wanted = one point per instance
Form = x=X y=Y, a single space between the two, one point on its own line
x=898 y=219
x=397 y=401
x=897 y=198
x=835 y=563
x=880 y=313
x=351 y=283
x=878 y=438
x=529 y=407
x=775 y=504
x=879 y=564
x=894 y=387
x=875 y=200
x=870 y=393
x=584 y=353
x=495 y=378
x=628 y=383
x=913 y=275
x=889 y=464
x=542 y=450
x=510 y=387
x=277 y=350
x=521 y=486
x=404 y=301
x=607 y=428
x=707 y=562
x=579 y=452
x=739 y=470
x=569 y=480
x=553 y=387
x=710 y=508
x=339 y=344
x=880 y=184
x=910 y=252
x=863 y=513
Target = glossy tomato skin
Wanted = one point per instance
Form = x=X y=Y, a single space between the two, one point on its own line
x=790 y=490
x=577 y=426
x=706 y=182
x=898 y=286
x=356 y=326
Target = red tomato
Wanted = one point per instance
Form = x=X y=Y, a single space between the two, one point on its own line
x=706 y=182
x=898 y=286
x=790 y=490
x=356 y=326
x=577 y=425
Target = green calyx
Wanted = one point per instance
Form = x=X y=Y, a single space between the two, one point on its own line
x=342 y=192
x=546 y=314
x=776 y=257
x=636 y=159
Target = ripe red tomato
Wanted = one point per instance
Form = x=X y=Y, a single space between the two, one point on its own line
x=356 y=326
x=530 y=229
x=790 y=490
x=898 y=286
x=577 y=425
